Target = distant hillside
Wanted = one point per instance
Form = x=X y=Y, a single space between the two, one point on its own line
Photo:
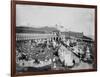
x=22 y=29
x=90 y=36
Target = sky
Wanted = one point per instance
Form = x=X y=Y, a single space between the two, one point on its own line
x=63 y=18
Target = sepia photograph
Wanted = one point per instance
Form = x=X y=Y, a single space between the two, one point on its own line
x=54 y=38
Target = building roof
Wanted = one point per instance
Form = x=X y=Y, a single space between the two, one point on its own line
x=73 y=34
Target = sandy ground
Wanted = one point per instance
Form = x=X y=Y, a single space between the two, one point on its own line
x=82 y=65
